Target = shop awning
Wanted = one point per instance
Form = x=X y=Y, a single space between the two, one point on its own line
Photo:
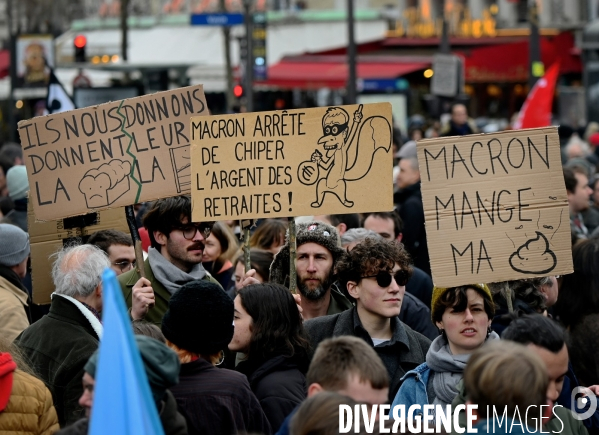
x=509 y=62
x=4 y=63
x=314 y=72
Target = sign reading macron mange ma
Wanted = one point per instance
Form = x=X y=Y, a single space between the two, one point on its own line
x=110 y=155
x=290 y=163
x=495 y=206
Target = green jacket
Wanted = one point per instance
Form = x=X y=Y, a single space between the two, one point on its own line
x=339 y=303
x=562 y=423
x=161 y=294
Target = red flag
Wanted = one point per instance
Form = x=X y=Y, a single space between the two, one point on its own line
x=536 y=110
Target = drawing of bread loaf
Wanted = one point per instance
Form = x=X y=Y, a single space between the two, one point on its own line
x=102 y=186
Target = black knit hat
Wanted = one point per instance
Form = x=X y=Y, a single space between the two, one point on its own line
x=199 y=318
x=316 y=232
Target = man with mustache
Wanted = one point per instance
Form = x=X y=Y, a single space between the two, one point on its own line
x=318 y=249
x=174 y=258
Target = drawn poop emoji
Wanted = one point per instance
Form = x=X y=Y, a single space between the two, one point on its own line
x=104 y=185
x=534 y=256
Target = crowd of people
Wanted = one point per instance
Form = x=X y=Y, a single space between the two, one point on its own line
x=228 y=350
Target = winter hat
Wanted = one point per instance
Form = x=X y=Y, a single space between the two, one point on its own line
x=199 y=318
x=17 y=183
x=7 y=367
x=15 y=245
x=315 y=232
x=440 y=291
x=161 y=364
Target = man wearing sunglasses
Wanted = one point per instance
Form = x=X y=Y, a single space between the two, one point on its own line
x=374 y=274
x=174 y=258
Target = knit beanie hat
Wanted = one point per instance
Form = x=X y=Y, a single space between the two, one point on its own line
x=15 y=245
x=160 y=362
x=440 y=291
x=199 y=318
x=308 y=232
x=17 y=182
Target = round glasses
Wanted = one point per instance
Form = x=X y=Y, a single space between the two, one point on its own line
x=125 y=265
x=189 y=231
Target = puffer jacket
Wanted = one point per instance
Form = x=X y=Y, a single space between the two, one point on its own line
x=29 y=409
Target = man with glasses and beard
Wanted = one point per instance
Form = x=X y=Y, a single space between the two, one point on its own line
x=318 y=250
x=374 y=275
x=174 y=258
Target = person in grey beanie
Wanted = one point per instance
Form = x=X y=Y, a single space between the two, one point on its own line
x=18 y=187
x=15 y=315
x=318 y=250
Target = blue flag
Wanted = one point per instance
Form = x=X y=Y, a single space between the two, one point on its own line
x=123 y=402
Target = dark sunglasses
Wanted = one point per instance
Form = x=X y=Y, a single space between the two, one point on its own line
x=189 y=231
x=383 y=279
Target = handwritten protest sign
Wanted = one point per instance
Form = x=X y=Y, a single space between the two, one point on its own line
x=495 y=206
x=290 y=163
x=111 y=155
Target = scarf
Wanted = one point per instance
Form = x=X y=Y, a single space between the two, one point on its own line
x=91 y=317
x=448 y=368
x=169 y=275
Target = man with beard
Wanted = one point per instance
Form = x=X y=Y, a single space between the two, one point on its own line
x=174 y=258
x=318 y=250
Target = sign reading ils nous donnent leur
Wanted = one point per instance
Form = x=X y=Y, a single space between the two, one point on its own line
x=495 y=206
x=322 y=160
x=111 y=155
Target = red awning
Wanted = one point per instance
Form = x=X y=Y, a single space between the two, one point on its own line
x=509 y=62
x=314 y=72
x=4 y=63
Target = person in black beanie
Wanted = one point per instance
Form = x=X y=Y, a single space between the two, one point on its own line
x=198 y=325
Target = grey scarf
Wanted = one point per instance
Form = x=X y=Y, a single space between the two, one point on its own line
x=169 y=275
x=448 y=368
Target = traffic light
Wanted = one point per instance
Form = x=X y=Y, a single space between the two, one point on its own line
x=79 y=44
x=238 y=91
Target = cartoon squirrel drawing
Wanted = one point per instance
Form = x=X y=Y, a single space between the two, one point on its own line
x=344 y=162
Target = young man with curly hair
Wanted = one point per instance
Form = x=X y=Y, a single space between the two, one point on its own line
x=374 y=275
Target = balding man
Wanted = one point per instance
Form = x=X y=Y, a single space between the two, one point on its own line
x=459 y=124
x=59 y=344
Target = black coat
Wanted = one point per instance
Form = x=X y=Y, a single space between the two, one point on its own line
x=417 y=316
x=217 y=401
x=404 y=352
x=173 y=423
x=279 y=384
x=411 y=212
x=57 y=347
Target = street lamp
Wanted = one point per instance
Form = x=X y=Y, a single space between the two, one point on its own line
x=249 y=66
x=351 y=55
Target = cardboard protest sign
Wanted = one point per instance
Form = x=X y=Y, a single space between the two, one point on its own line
x=111 y=155
x=290 y=163
x=46 y=238
x=495 y=206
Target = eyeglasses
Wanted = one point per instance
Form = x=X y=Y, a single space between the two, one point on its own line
x=383 y=279
x=125 y=265
x=189 y=231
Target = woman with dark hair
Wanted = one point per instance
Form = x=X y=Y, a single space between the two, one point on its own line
x=463 y=314
x=579 y=292
x=270 y=235
x=260 y=261
x=219 y=249
x=269 y=331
